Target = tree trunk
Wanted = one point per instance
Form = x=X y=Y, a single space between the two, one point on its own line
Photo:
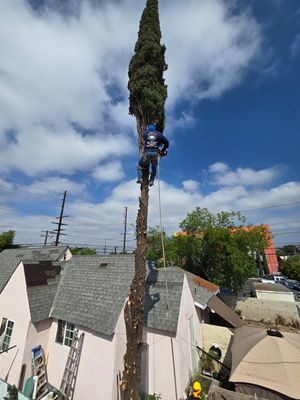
x=134 y=307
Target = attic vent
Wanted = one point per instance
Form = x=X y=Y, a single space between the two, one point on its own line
x=103 y=265
x=274 y=332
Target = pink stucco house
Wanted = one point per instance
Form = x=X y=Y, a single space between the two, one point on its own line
x=45 y=294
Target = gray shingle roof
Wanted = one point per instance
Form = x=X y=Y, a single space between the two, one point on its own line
x=92 y=295
x=202 y=290
x=10 y=258
x=156 y=313
x=40 y=300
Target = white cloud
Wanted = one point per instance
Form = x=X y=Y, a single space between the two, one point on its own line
x=285 y=193
x=223 y=176
x=43 y=149
x=209 y=47
x=109 y=172
x=54 y=184
x=57 y=70
x=190 y=185
x=218 y=167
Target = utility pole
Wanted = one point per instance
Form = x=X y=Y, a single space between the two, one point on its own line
x=60 y=219
x=125 y=229
x=45 y=236
x=104 y=249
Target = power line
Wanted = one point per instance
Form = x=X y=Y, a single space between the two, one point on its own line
x=285 y=233
x=271 y=206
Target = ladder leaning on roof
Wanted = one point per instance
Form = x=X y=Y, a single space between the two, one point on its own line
x=67 y=385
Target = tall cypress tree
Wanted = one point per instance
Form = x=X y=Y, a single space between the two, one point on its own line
x=148 y=94
x=146 y=84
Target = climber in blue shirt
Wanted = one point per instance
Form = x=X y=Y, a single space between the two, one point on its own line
x=155 y=145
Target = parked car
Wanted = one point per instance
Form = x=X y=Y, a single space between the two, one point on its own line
x=292 y=285
x=271 y=278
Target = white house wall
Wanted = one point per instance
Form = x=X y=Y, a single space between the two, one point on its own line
x=14 y=306
x=160 y=372
x=119 y=344
x=57 y=357
x=66 y=255
x=95 y=378
x=38 y=334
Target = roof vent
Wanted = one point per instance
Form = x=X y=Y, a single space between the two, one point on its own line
x=274 y=332
x=103 y=265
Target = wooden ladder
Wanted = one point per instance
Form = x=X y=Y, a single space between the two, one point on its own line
x=39 y=370
x=67 y=385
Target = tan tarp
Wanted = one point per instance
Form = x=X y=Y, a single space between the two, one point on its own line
x=267 y=361
x=224 y=311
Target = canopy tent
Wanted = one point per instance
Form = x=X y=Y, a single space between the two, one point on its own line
x=268 y=360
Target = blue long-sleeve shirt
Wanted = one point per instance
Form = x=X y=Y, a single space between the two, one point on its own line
x=155 y=141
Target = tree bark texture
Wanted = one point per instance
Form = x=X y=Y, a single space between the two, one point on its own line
x=134 y=307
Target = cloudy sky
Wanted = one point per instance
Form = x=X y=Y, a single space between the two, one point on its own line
x=233 y=116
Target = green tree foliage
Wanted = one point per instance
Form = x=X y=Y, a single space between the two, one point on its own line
x=12 y=392
x=83 y=251
x=6 y=240
x=146 y=84
x=215 y=246
x=291 y=267
x=288 y=250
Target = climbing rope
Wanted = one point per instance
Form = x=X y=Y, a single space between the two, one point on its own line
x=165 y=272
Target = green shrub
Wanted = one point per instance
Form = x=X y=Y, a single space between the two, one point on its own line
x=153 y=397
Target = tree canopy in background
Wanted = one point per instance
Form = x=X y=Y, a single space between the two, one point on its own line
x=82 y=251
x=288 y=250
x=217 y=247
x=6 y=240
x=146 y=84
x=291 y=267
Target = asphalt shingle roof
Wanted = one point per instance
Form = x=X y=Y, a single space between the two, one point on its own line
x=92 y=290
x=40 y=300
x=92 y=295
x=156 y=310
x=10 y=258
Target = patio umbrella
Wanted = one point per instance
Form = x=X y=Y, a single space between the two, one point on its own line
x=267 y=358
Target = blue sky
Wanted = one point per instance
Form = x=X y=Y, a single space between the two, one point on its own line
x=233 y=115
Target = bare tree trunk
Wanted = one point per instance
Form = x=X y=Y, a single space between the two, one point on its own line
x=134 y=307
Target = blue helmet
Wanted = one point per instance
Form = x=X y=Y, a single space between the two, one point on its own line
x=151 y=127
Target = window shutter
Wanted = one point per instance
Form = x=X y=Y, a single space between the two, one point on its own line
x=3 y=326
x=60 y=331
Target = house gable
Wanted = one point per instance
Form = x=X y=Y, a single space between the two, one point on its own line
x=92 y=294
x=14 y=306
x=10 y=258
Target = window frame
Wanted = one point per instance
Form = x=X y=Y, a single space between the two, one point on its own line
x=65 y=333
x=6 y=336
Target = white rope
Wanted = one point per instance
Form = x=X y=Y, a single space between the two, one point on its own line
x=166 y=282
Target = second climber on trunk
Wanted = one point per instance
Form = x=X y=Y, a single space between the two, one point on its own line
x=155 y=145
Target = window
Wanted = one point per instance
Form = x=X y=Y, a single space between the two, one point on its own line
x=65 y=333
x=6 y=330
x=69 y=334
